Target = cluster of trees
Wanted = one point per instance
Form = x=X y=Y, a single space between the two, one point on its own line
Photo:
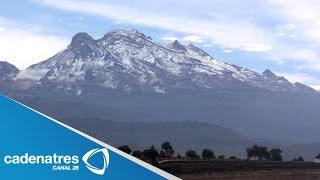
x=262 y=153
x=151 y=153
x=206 y=154
x=299 y=159
x=167 y=152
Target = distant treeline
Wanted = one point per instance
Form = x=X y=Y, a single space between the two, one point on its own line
x=153 y=156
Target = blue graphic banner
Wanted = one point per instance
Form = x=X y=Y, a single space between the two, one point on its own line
x=35 y=146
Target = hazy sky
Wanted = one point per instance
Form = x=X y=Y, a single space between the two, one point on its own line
x=280 y=35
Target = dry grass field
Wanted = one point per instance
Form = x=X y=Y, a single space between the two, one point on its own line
x=242 y=170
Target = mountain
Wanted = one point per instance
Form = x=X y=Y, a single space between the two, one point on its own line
x=127 y=77
x=7 y=74
x=141 y=135
x=7 y=69
x=130 y=61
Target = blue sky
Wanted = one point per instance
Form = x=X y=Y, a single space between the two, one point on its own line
x=280 y=35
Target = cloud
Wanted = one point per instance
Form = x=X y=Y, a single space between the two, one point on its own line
x=304 y=16
x=238 y=34
x=284 y=28
x=275 y=30
x=169 y=38
x=303 y=27
x=316 y=87
x=193 y=39
x=207 y=45
x=23 y=45
x=227 y=51
x=186 y=40
x=118 y=22
x=300 y=77
x=256 y=47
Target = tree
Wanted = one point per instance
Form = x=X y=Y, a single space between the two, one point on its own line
x=125 y=148
x=162 y=154
x=275 y=154
x=268 y=156
x=299 y=159
x=166 y=146
x=137 y=154
x=152 y=154
x=260 y=152
x=179 y=156
x=191 y=154
x=221 y=156
x=233 y=158
x=207 y=154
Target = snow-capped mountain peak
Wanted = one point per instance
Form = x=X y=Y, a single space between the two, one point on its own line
x=176 y=45
x=131 y=61
x=268 y=73
x=81 y=38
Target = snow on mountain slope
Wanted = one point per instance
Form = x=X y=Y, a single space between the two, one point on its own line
x=129 y=60
x=8 y=69
x=7 y=73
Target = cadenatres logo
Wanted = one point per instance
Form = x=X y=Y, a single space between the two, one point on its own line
x=105 y=155
x=61 y=162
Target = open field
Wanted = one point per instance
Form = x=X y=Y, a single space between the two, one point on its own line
x=240 y=169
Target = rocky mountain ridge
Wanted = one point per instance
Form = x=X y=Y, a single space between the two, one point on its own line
x=128 y=60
